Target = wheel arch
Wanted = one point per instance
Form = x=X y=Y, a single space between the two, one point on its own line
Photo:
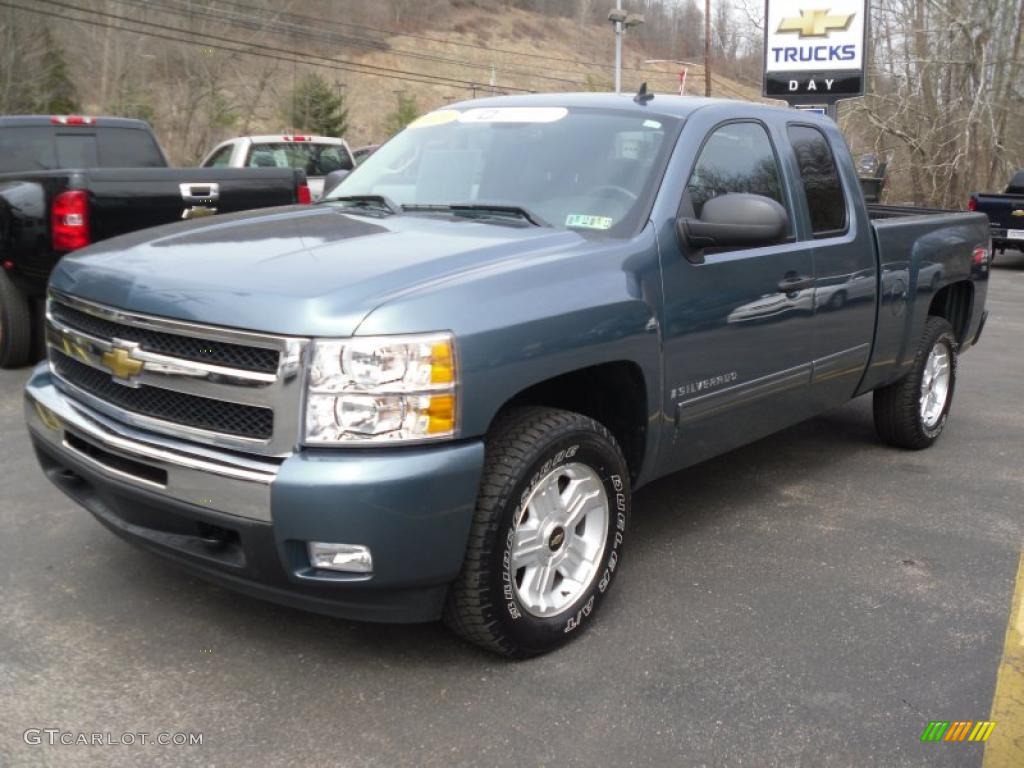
x=955 y=303
x=614 y=393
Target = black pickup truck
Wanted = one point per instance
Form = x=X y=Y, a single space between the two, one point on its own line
x=1005 y=213
x=68 y=181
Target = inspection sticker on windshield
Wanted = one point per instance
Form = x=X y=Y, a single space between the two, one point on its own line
x=588 y=222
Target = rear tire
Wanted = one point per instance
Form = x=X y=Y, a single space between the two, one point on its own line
x=912 y=412
x=15 y=325
x=547 y=533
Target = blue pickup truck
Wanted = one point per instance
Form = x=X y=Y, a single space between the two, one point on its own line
x=432 y=394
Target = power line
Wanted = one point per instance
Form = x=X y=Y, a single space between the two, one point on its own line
x=289 y=56
x=287 y=28
x=443 y=41
x=281 y=54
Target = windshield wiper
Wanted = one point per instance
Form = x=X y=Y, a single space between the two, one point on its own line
x=500 y=209
x=378 y=202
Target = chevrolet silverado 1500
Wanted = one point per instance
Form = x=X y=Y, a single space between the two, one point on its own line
x=433 y=393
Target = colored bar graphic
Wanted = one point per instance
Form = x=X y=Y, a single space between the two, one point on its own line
x=958 y=730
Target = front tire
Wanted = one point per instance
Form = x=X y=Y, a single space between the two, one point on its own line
x=15 y=325
x=547 y=533
x=912 y=412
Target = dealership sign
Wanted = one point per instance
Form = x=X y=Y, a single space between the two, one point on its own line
x=814 y=50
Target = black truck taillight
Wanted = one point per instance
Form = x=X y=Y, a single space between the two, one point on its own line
x=302 y=194
x=69 y=220
x=972 y=204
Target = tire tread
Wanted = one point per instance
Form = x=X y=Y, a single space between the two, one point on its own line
x=469 y=611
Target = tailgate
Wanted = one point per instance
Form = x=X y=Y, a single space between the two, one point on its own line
x=1003 y=211
x=128 y=199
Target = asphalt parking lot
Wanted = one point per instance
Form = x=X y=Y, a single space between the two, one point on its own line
x=814 y=599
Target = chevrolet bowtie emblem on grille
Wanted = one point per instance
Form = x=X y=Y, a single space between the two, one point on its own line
x=121 y=364
x=1018 y=212
x=815 y=23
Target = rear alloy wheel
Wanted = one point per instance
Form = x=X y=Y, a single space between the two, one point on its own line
x=912 y=412
x=15 y=325
x=547 y=533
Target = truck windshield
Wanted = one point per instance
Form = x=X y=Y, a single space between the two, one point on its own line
x=579 y=169
x=314 y=159
x=45 y=148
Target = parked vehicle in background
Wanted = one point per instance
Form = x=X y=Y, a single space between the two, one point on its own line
x=433 y=393
x=1005 y=213
x=360 y=154
x=68 y=181
x=317 y=156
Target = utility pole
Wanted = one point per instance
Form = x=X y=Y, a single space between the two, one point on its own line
x=622 y=21
x=707 y=47
x=618 y=49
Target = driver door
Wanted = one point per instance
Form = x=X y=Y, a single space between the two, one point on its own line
x=737 y=325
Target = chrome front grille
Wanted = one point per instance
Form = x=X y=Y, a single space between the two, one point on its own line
x=218 y=386
x=175 y=407
x=186 y=347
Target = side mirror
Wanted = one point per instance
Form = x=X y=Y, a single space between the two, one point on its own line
x=333 y=179
x=735 y=220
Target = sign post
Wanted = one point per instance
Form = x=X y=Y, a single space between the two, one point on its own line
x=815 y=51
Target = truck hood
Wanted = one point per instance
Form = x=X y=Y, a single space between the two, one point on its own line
x=300 y=270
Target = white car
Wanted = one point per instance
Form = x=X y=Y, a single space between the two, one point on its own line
x=316 y=155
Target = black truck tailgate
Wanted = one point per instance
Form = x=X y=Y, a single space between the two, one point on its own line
x=127 y=199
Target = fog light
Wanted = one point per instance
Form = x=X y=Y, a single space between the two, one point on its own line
x=353 y=558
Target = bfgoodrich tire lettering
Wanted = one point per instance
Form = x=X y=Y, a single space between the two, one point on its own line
x=527 y=447
x=903 y=417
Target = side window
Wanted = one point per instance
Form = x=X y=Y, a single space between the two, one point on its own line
x=737 y=157
x=822 y=187
x=220 y=158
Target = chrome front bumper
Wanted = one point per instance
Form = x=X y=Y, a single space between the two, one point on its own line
x=218 y=480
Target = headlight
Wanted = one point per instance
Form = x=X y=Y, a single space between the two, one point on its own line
x=382 y=389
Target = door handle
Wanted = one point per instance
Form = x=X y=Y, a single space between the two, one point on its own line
x=793 y=283
x=198 y=192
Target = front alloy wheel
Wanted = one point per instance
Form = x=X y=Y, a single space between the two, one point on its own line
x=558 y=539
x=547 y=533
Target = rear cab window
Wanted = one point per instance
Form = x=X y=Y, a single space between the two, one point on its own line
x=823 y=190
x=314 y=159
x=41 y=148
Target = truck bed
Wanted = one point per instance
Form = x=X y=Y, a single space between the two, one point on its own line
x=919 y=252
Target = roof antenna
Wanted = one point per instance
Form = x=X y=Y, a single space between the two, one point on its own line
x=642 y=96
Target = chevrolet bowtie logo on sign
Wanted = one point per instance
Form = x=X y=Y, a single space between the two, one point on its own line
x=121 y=364
x=816 y=23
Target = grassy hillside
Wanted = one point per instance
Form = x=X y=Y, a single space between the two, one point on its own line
x=210 y=70
x=515 y=41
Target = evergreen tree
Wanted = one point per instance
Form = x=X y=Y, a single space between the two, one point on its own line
x=56 y=93
x=316 y=108
x=406 y=110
